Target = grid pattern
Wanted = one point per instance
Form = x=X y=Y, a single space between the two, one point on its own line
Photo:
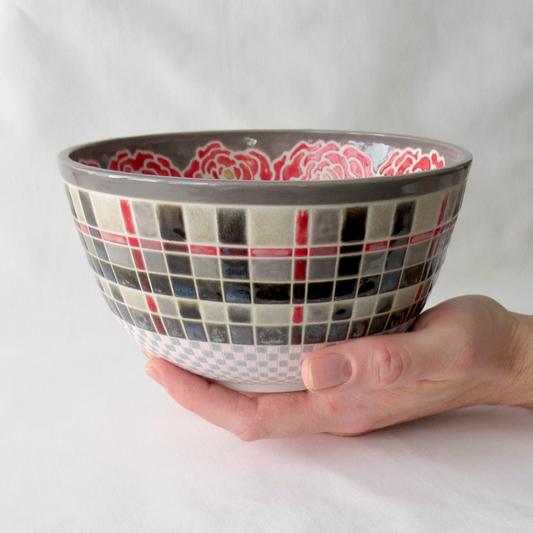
x=264 y=276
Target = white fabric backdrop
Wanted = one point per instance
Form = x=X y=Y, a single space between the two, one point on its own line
x=87 y=442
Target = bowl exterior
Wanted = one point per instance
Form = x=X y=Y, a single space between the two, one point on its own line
x=239 y=291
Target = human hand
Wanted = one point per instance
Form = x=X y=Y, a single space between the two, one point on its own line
x=464 y=352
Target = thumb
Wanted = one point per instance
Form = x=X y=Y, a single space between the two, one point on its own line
x=377 y=362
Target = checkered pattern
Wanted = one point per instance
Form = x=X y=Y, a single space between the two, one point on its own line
x=251 y=365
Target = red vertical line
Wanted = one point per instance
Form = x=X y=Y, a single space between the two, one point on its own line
x=151 y=303
x=419 y=292
x=443 y=209
x=298 y=315
x=139 y=261
x=127 y=216
x=302 y=225
x=159 y=325
x=300 y=268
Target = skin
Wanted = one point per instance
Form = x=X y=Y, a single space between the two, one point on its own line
x=464 y=352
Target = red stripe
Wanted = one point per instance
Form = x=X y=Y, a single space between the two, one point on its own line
x=419 y=292
x=298 y=315
x=271 y=252
x=159 y=325
x=421 y=237
x=151 y=303
x=375 y=246
x=302 y=225
x=301 y=252
x=300 y=268
x=134 y=242
x=324 y=250
x=443 y=208
x=139 y=261
x=437 y=232
x=113 y=237
x=151 y=245
x=204 y=250
x=84 y=228
x=127 y=216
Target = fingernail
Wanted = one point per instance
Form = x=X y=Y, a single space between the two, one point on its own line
x=329 y=370
x=154 y=374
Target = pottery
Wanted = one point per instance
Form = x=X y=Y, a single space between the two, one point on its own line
x=233 y=254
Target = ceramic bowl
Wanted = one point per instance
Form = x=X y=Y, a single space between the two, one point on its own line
x=232 y=254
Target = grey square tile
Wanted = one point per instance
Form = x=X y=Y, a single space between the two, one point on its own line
x=325 y=226
x=155 y=261
x=240 y=314
x=322 y=268
x=271 y=269
x=205 y=267
x=119 y=255
x=417 y=253
x=373 y=263
x=145 y=219
x=271 y=226
x=318 y=313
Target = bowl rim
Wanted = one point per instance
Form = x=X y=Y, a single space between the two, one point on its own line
x=258 y=192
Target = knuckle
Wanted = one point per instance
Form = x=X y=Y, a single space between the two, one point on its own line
x=389 y=363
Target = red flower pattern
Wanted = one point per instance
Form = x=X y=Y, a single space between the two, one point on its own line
x=144 y=163
x=318 y=161
x=217 y=162
x=323 y=161
x=410 y=160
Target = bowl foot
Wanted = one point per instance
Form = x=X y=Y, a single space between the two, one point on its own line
x=262 y=388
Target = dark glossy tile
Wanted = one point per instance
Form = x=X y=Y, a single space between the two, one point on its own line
x=242 y=335
x=296 y=335
x=272 y=335
x=272 y=293
x=217 y=333
x=325 y=226
x=107 y=270
x=142 y=320
x=322 y=268
x=237 y=293
x=209 y=289
x=97 y=267
x=95 y=233
x=397 y=318
x=417 y=253
x=378 y=324
x=395 y=259
x=161 y=284
x=390 y=281
x=171 y=223
x=368 y=286
x=359 y=328
x=320 y=292
x=342 y=311
x=355 y=248
x=235 y=269
x=233 y=251
x=315 y=334
x=189 y=310
x=345 y=289
x=183 y=287
x=143 y=280
x=88 y=210
x=231 y=225
x=298 y=293
x=384 y=304
x=240 y=313
x=173 y=247
x=354 y=224
x=195 y=331
x=349 y=265
x=403 y=218
x=115 y=291
x=174 y=327
x=127 y=277
x=338 y=332
x=124 y=313
x=100 y=249
x=179 y=264
x=411 y=276
x=399 y=242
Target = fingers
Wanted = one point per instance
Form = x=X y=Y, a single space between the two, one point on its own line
x=249 y=417
x=378 y=362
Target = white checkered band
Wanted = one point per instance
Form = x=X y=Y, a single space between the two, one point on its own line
x=230 y=363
